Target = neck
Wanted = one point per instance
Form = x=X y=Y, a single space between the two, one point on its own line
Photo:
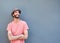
x=16 y=20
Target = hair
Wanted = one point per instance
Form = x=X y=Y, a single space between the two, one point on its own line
x=15 y=11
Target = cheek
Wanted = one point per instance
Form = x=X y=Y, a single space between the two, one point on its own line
x=14 y=15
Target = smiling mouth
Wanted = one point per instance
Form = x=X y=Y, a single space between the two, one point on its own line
x=16 y=16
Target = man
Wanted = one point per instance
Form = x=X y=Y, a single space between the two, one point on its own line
x=17 y=29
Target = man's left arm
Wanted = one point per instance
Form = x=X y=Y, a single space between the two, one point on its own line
x=25 y=31
x=25 y=35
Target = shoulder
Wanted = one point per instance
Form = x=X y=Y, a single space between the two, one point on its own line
x=9 y=24
x=24 y=22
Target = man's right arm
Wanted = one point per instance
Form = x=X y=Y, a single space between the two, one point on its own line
x=11 y=37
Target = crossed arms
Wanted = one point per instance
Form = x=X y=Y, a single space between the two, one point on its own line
x=22 y=36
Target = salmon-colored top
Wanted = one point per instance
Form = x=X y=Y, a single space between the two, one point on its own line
x=17 y=29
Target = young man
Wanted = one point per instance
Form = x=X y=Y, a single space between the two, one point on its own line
x=17 y=29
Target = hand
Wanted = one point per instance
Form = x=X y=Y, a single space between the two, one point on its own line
x=21 y=36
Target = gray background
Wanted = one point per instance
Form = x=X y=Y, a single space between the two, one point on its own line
x=42 y=16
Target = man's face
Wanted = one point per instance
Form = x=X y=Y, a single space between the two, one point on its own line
x=16 y=14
